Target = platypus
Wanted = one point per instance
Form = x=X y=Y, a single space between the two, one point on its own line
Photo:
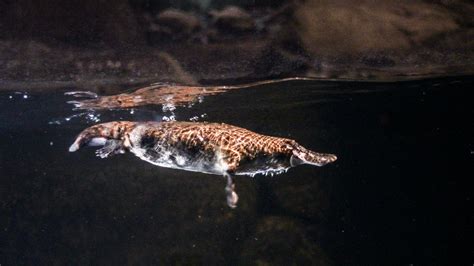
x=213 y=148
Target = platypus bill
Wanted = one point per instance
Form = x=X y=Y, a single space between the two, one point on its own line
x=211 y=148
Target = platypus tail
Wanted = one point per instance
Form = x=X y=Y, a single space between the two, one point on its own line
x=302 y=155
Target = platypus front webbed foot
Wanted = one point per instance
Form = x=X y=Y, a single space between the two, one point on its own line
x=232 y=197
x=111 y=147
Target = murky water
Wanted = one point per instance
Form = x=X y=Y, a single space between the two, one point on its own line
x=398 y=192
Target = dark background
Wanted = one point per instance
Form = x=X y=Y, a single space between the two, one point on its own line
x=96 y=43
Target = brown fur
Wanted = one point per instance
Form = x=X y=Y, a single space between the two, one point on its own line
x=235 y=143
x=226 y=149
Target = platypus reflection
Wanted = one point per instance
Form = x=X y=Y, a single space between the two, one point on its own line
x=212 y=148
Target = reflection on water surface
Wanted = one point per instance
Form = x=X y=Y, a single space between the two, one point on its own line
x=167 y=95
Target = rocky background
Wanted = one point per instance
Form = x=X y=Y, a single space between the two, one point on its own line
x=90 y=43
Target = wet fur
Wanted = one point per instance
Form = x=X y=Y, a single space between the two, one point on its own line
x=203 y=147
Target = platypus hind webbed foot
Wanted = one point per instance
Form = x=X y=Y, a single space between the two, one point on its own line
x=232 y=197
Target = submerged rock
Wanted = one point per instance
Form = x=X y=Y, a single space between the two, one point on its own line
x=179 y=22
x=281 y=241
x=382 y=40
x=332 y=28
x=233 y=19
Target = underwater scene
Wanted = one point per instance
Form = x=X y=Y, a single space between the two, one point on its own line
x=397 y=192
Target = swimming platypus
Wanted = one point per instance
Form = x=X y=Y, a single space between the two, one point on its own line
x=211 y=148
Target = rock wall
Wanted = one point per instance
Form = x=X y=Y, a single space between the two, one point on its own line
x=146 y=41
x=334 y=27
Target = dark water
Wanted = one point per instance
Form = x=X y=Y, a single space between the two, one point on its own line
x=399 y=193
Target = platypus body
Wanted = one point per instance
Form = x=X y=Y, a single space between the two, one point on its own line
x=211 y=148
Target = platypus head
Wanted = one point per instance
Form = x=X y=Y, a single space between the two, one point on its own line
x=97 y=135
